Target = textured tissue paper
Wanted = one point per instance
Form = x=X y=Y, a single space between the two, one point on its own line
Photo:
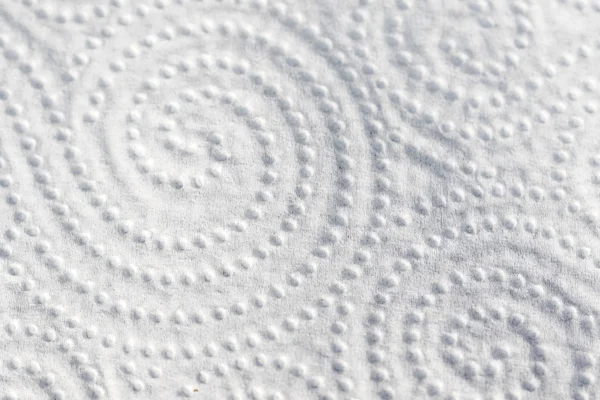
x=301 y=199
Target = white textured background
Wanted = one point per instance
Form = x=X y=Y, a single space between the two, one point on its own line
x=330 y=200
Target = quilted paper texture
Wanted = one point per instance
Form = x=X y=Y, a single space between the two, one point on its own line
x=329 y=200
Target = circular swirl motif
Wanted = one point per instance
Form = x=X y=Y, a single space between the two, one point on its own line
x=202 y=153
x=489 y=346
x=177 y=155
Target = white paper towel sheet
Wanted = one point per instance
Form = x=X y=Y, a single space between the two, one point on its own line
x=330 y=200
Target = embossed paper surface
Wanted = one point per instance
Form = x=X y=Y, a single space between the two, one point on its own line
x=330 y=200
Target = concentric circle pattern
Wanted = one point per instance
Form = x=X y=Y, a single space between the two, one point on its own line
x=332 y=200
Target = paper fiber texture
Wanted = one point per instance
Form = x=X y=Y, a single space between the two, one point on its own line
x=330 y=200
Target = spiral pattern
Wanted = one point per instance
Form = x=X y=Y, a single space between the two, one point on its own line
x=254 y=199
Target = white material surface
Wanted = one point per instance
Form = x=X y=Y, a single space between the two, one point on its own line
x=340 y=199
